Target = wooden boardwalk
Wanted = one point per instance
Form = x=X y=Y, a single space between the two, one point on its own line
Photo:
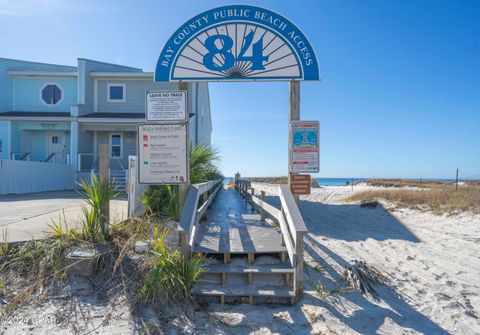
x=233 y=227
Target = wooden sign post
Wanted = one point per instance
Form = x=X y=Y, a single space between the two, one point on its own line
x=104 y=177
x=300 y=184
x=183 y=188
x=293 y=115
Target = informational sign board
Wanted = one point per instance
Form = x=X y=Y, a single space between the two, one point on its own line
x=164 y=106
x=300 y=184
x=237 y=43
x=162 y=153
x=304 y=146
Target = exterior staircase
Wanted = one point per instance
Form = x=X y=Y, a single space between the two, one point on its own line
x=245 y=259
x=252 y=251
x=246 y=278
x=119 y=177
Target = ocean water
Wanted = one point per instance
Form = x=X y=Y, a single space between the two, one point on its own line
x=321 y=181
x=338 y=181
x=343 y=181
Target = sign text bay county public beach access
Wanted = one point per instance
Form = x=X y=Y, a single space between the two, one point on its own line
x=267 y=18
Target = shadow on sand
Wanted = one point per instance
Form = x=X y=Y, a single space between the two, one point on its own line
x=350 y=222
x=369 y=316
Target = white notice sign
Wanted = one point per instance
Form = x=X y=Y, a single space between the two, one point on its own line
x=166 y=106
x=162 y=154
x=304 y=146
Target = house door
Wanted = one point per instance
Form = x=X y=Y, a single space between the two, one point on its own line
x=56 y=147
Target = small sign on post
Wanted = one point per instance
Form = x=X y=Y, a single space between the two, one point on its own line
x=300 y=184
x=167 y=106
x=163 y=153
x=304 y=147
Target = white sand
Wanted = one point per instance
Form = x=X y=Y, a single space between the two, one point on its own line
x=434 y=263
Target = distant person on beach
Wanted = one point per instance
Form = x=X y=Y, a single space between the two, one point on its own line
x=348 y=183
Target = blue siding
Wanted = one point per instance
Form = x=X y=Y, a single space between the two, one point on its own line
x=86 y=82
x=27 y=94
x=134 y=95
x=6 y=82
x=4 y=139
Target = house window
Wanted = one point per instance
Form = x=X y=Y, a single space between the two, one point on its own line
x=55 y=140
x=116 y=146
x=1 y=148
x=51 y=94
x=116 y=92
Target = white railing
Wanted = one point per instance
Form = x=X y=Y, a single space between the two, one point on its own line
x=20 y=156
x=198 y=194
x=59 y=157
x=87 y=161
x=288 y=218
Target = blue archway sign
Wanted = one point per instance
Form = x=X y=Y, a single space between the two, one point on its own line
x=237 y=43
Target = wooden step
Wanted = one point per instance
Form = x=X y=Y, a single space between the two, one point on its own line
x=238 y=251
x=242 y=291
x=279 y=268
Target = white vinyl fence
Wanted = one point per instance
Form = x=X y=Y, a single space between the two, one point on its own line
x=28 y=177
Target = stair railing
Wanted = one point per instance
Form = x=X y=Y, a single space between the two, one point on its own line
x=20 y=156
x=199 y=198
x=288 y=218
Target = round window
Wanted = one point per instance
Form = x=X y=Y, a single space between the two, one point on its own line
x=51 y=94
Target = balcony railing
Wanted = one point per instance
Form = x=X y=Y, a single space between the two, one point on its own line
x=20 y=156
x=87 y=162
x=58 y=157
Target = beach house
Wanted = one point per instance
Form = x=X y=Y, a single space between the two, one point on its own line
x=58 y=114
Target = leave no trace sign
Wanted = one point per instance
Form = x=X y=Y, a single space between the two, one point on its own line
x=166 y=106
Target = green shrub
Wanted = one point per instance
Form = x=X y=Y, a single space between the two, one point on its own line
x=161 y=200
x=170 y=275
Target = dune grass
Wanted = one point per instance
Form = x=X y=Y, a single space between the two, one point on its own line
x=406 y=183
x=440 y=200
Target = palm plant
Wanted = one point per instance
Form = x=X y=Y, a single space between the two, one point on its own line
x=97 y=195
x=163 y=199
x=204 y=163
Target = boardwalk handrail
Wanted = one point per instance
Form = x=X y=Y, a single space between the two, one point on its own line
x=288 y=218
x=192 y=213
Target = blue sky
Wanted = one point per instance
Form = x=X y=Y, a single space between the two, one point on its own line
x=400 y=89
